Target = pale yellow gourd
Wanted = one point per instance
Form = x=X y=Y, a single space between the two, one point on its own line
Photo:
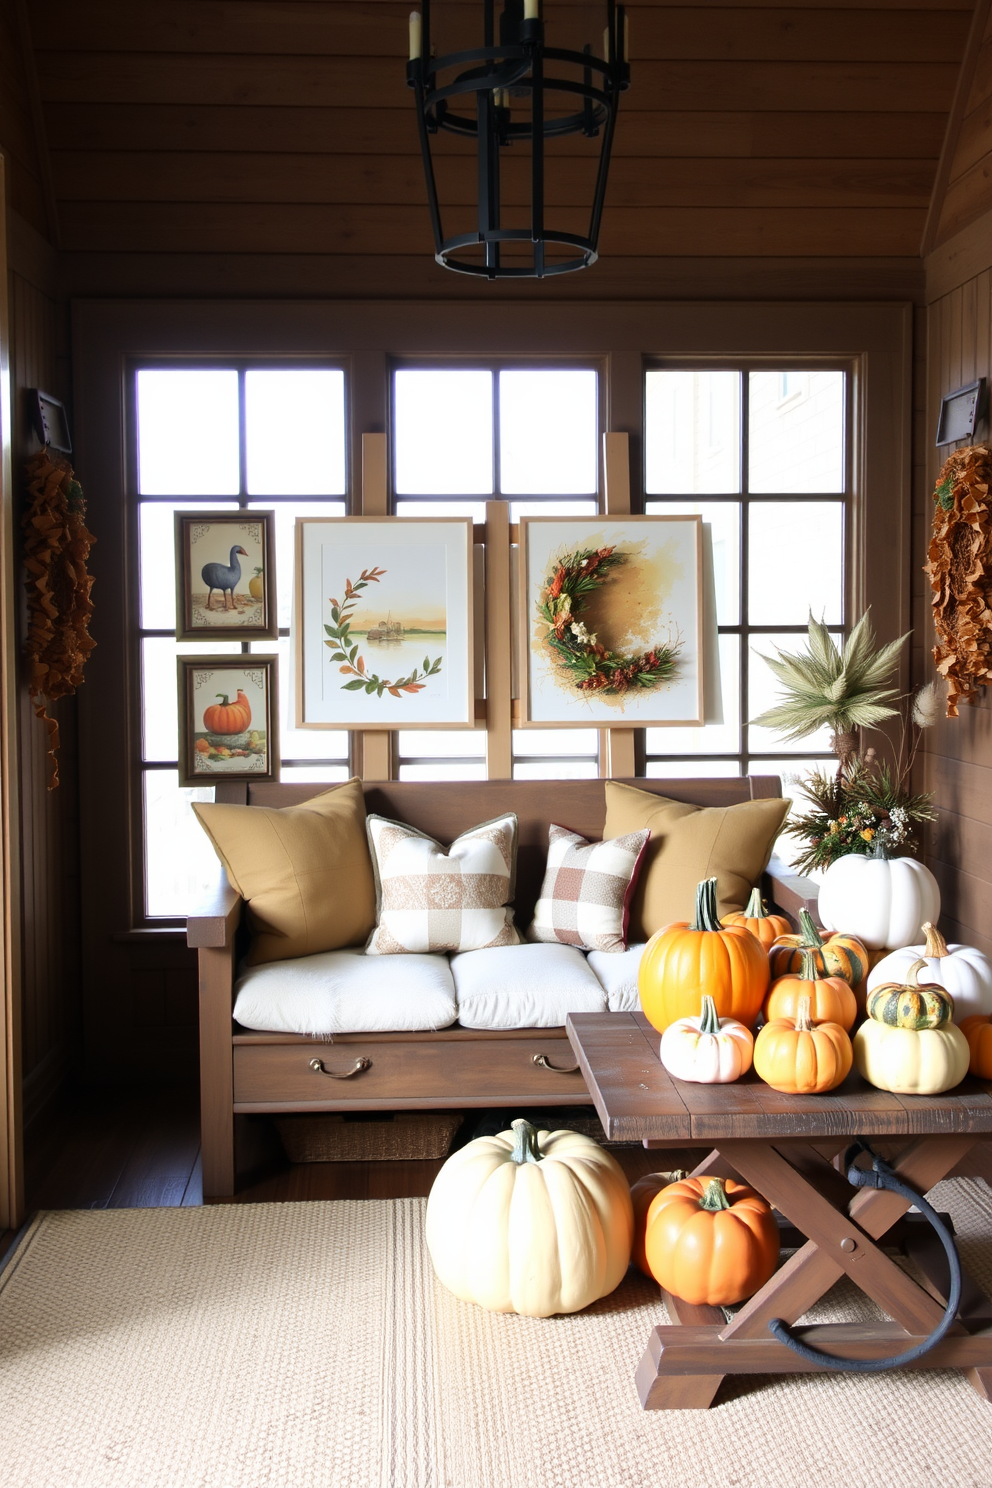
x=530 y=1222
x=911 y=1061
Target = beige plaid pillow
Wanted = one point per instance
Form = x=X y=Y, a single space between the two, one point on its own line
x=587 y=889
x=432 y=900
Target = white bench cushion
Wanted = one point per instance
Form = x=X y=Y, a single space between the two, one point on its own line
x=347 y=992
x=526 y=986
x=618 y=974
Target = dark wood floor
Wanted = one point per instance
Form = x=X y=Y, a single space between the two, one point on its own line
x=121 y=1149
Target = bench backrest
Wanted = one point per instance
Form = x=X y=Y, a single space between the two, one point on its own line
x=445 y=809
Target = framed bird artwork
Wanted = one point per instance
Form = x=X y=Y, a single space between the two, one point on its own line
x=226 y=576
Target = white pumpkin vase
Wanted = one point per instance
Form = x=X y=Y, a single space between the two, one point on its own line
x=531 y=1222
x=962 y=970
x=883 y=901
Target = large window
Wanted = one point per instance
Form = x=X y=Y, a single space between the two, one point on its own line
x=223 y=437
x=529 y=435
x=762 y=454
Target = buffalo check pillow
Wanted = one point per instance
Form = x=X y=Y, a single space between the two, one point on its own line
x=587 y=889
x=430 y=899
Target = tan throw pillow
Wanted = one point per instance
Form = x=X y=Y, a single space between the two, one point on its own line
x=304 y=870
x=432 y=900
x=689 y=843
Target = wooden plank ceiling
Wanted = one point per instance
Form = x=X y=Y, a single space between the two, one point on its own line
x=285 y=126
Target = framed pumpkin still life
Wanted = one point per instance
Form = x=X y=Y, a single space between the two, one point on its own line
x=226 y=576
x=228 y=718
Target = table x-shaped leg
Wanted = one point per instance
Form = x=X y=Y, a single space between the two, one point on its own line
x=686 y=1361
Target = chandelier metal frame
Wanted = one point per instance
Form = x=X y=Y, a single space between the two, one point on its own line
x=516 y=66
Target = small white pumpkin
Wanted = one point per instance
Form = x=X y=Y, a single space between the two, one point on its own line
x=911 y=1061
x=883 y=901
x=708 y=1050
x=961 y=970
x=530 y=1222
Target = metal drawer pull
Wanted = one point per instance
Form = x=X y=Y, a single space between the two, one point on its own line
x=358 y=1068
x=544 y=1062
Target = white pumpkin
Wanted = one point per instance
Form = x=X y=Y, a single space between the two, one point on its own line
x=962 y=970
x=911 y=1061
x=530 y=1222
x=707 y=1050
x=883 y=901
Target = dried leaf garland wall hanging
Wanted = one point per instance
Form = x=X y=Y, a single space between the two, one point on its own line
x=56 y=547
x=959 y=566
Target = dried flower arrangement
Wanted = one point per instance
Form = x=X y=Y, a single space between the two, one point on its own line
x=959 y=567
x=867 y=803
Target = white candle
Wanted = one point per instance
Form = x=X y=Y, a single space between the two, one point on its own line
x=530 y=10
x=414 y=35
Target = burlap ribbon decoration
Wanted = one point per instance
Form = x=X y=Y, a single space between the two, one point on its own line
x=56 y=547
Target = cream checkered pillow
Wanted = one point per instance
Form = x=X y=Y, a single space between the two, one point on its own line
x=432 y=900
x=587 y=889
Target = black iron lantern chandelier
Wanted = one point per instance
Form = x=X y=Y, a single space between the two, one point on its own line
x=514 y=90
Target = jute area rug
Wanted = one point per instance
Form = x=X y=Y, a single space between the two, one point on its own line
x=309 y=1345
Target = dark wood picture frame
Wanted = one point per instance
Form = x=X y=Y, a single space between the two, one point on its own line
x=187 y=667
x=262 y=623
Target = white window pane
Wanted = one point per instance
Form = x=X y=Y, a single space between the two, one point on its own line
x=180 y=864
x=724 y=521
x=691 y=769
x=160 y=691
x=557 y=770
x=692 y=432
x=294 y=432
x=790 y=772
x=764 y=689
x=555 y=742
x=286 y=515
x=157 y=562
x=294 y=743
x=188 y=441
x=442 y=743
x=450 y=771
x=474 y=509
x=796 y=562
x=712 y=738
x=548 y=431
x=520 y=509
x=443 y=432
x=796 y=434
x=316 y=774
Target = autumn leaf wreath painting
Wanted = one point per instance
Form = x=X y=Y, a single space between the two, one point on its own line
x=397 y=636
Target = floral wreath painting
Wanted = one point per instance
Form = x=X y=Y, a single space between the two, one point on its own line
x=228 y=718
x=384 y=623
x=612 y=621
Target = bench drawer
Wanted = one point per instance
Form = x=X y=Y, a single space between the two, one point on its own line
x=380 y=1073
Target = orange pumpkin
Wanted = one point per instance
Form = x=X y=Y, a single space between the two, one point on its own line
x=642 y=1193
x=683 y=961
x=830 y=998
x=838 y=954
x=802 y=1058
x=978 y=1031
x=767 y=927
x=711 y=1241
x=226 y=717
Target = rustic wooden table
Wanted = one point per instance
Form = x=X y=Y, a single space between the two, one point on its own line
x=783 y=1146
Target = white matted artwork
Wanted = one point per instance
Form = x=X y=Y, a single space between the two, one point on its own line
x=383 y=623
x=612 y=622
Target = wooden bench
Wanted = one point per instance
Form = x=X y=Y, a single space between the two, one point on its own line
x=245 y=1072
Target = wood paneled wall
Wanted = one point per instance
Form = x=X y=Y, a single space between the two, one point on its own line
x=964 y=184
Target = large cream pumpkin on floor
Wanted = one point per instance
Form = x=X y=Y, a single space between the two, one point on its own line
x=883 y=901
x=530 y=1222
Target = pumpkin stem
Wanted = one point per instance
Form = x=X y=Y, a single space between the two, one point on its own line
x=803 y=1024
x=810 y=935
x=525 y=1144
x=709 y=1021
x=809 y=971
x=936 y=944
x=755 y=908
x=715 y=1196
x=879 y=848
x=225 y=701
x=913 y=974
x=706 y=916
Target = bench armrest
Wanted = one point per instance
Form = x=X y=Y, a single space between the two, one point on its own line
x=215 y=920
x=790 y=891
